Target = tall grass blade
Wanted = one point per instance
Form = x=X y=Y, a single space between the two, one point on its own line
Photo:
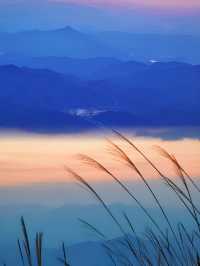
x=20 y=252
x=26 y=242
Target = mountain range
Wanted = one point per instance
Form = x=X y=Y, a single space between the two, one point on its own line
x=61 y=42
x=125 y=95
x=70 y=42
x=65 y=80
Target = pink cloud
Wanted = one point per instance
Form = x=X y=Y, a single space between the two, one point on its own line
x=129 y=3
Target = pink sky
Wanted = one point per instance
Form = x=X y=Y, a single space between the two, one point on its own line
x=129 y=3
x=139 y=16
x=126 y=3
x=41 y=159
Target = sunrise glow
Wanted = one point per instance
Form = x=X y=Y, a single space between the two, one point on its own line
x=40 y=159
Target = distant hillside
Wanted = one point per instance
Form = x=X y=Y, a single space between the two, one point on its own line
x=69 y=42
x=92 y=68
x=62 y=42
x=160 y=47
x=18 y=117
x=42 y=89
x=128 y=94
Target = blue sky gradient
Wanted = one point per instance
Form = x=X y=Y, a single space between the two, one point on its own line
x=98 y=16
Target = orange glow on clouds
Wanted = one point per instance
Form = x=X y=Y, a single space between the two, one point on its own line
x=36 y=159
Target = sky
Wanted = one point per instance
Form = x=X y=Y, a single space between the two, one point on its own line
x=41 y=159
x=127 y=3
x=35 y=164
x=143 y=3
x=179 y=16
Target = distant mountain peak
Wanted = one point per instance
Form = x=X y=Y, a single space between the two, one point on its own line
x=67 y=29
